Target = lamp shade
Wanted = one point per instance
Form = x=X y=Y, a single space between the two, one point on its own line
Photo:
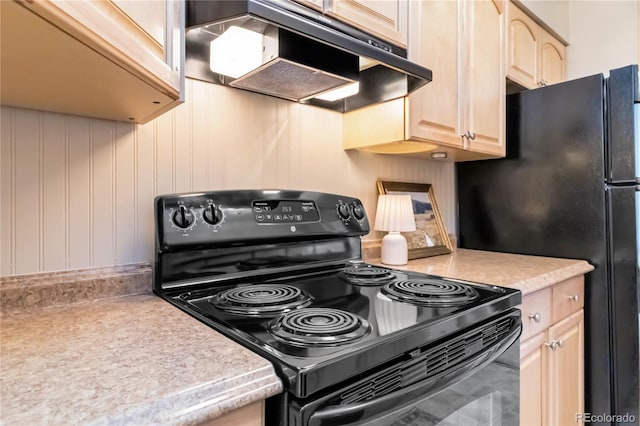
x=395 y=213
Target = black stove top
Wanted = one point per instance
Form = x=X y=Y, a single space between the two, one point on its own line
x=311 y=322
x=297 y=292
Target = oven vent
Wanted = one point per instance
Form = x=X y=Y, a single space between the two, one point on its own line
x=430 y=363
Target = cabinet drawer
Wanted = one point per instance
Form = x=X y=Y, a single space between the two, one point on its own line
x=536 y=313
x=568 y=297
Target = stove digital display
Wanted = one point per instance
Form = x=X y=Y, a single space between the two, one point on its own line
x=285 y=211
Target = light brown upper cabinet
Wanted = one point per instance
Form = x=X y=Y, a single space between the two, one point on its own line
x=119 y=60
x=461 y=112
x=386 y=19
x=534 y=57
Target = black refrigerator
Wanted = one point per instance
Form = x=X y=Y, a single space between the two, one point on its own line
x=568 y=187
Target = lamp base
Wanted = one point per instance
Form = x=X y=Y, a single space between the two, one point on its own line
x=394 y=250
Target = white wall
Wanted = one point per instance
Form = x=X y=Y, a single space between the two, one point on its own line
x=554 y=13
x=78 y=192
x=604 y=35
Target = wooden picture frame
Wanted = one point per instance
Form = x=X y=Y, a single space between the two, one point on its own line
x=430 y=238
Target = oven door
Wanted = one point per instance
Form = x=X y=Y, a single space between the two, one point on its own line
x=490 y=396
x=483 y=390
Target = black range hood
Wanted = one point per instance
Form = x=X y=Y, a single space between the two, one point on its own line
x=302 y=54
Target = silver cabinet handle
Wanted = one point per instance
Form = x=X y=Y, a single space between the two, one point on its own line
x=536 y=317
x=469 y=135
x=575 y=298
x=553 y=345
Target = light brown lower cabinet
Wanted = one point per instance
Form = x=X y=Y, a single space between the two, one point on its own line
x=249 y=415
x=552 y=355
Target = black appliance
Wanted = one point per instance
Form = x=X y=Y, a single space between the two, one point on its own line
x=568 y=187
x=280 y=272
x=302 y=53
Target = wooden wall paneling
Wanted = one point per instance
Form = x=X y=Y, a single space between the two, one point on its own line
x=104 y=176
x=320 y=138
x=28 y=191
x=198 y=122
x=222 y=136
x=183 y=148
x=103 y=196
x=208 y=122
x=125 y=192
x=275 y=144
x=7 y=193
x=54 y=192
x=164 y=154
x=240 y=169
x=145 y=191
x=80 y=190
x=294 y=148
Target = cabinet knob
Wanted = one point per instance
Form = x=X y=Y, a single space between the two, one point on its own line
x=553 y=345
x=536 y=317
x=472 y=136
x=560 y=342
x=575 y=298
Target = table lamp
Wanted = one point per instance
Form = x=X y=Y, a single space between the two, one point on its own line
x=395 y=215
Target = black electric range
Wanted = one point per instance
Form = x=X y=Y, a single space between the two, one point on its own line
x=281 y=273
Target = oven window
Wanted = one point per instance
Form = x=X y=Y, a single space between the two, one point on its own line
x=490 y=397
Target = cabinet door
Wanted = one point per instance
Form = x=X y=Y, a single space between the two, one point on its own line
x=552 y=59
x=522 y=48
x=533 y=381
x=433 y=109
x=150 y=17
x=386 y=19
x=109 y=29
x=566 y=370
x=91 y=59
x=483 y=80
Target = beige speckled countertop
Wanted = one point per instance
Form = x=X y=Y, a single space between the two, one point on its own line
x=125 y=360
x=526 y=273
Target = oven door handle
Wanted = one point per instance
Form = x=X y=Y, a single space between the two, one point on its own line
x=353 y=413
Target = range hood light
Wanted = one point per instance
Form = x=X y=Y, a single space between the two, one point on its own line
x=236 y=52
x=340 y=93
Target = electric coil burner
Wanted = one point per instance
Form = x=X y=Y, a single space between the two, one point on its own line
x=319 y=326
x=281 y=273
x=366 y=275
x=262 y=300
x=431 y=292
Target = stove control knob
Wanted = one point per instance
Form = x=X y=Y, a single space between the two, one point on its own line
x=212 y=214
x=358 y=212
x=343 y=211
x=183 y=217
